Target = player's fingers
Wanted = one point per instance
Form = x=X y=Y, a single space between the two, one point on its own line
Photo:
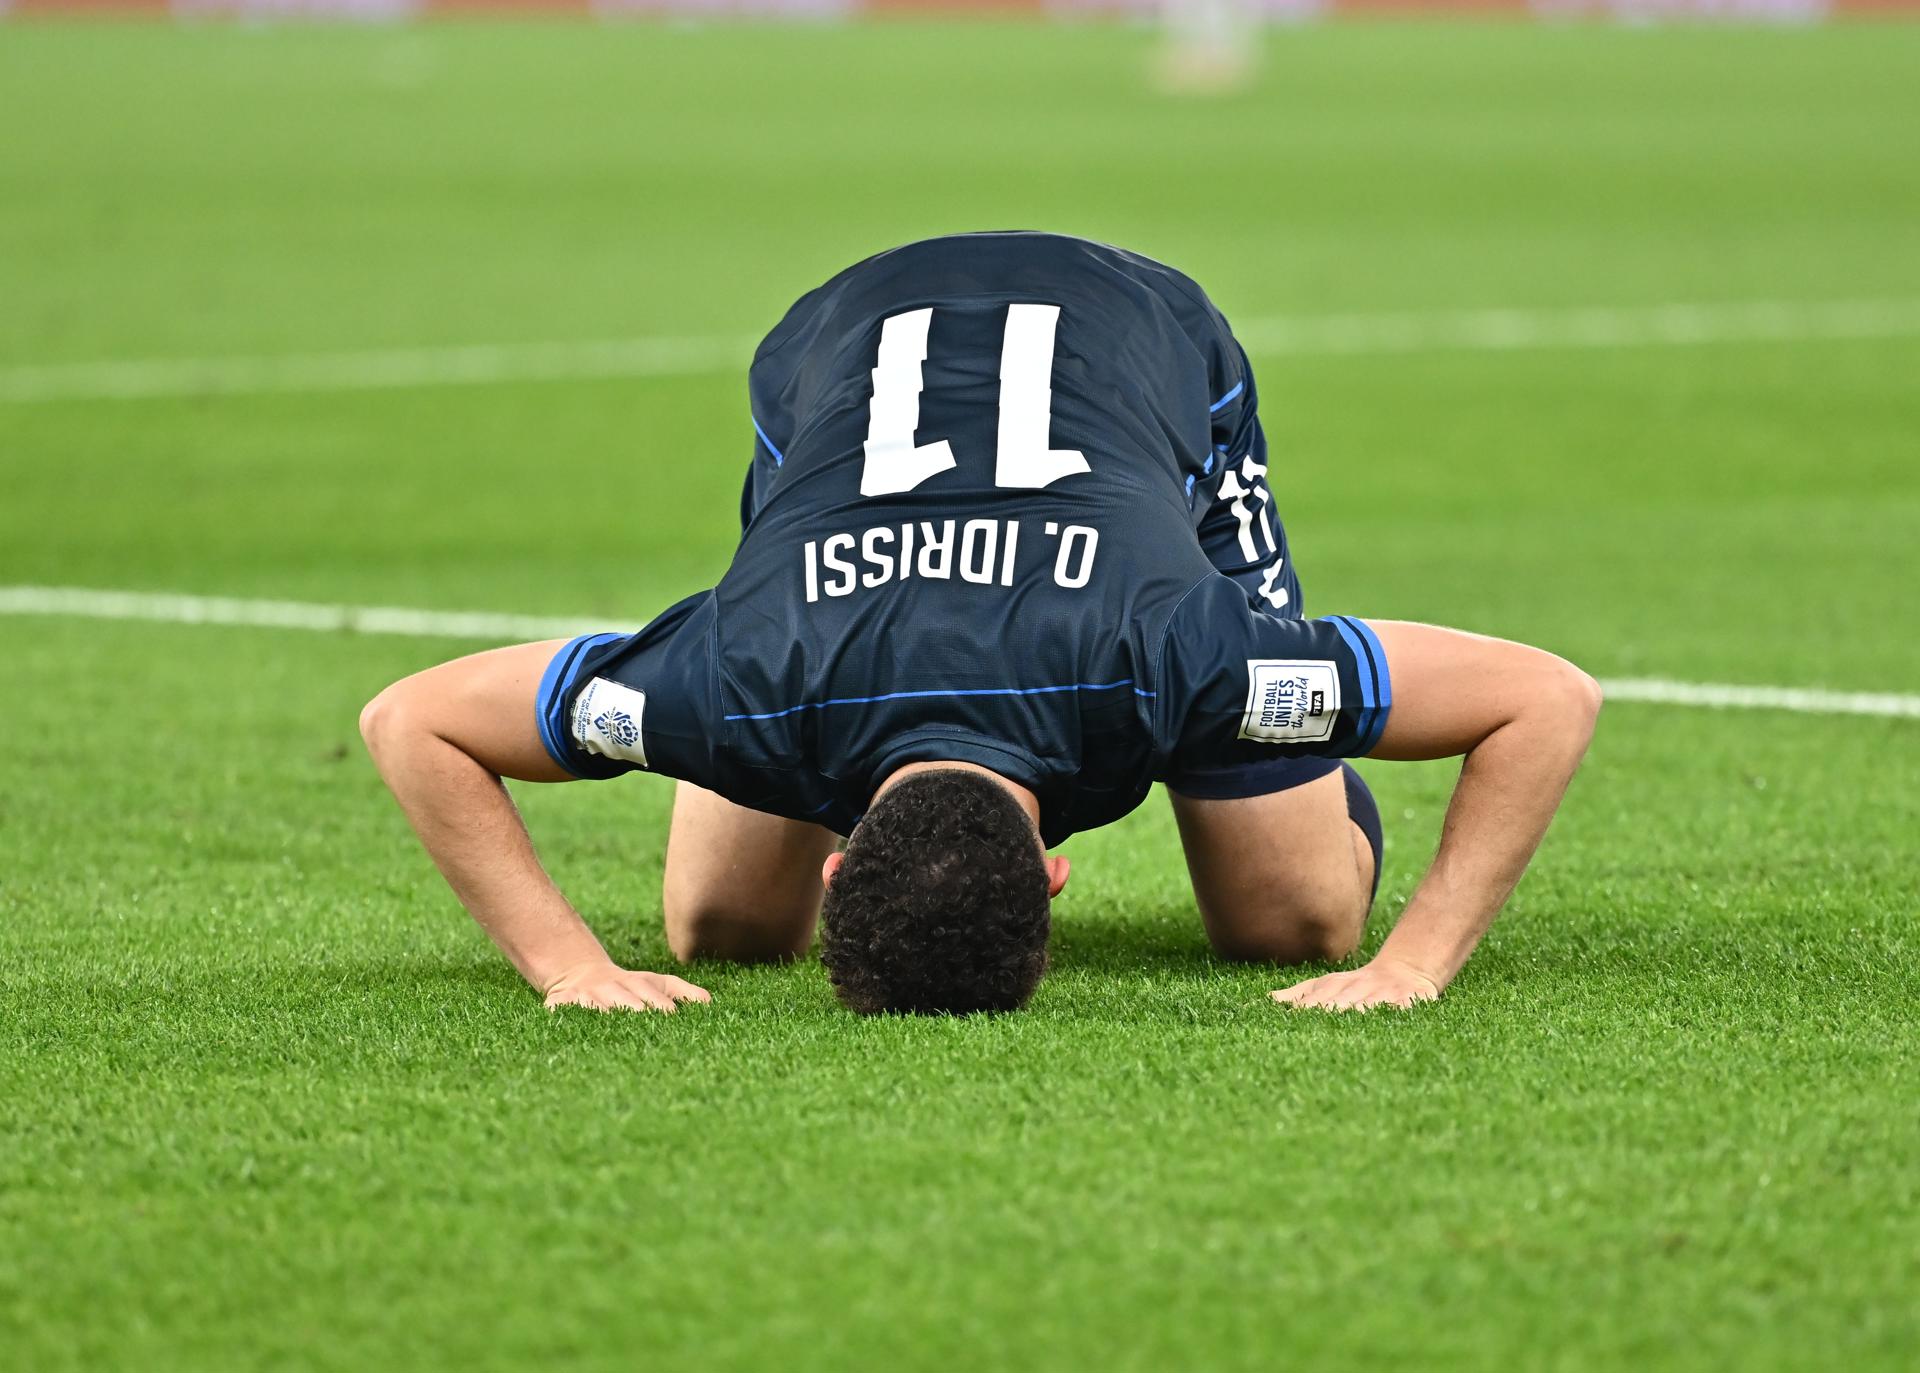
x=1297 y=994
x=653 y=999
x=636 y=996
x=680 y=989
x=1404 y=998
x=585 y=1000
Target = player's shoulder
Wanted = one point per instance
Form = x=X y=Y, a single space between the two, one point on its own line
x=967 y=252
x=612 y=702
x=1061 y=257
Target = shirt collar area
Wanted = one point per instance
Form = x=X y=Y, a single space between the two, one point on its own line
x=947 y=744
x=950 y=745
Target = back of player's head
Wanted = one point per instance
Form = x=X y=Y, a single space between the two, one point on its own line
x=941 y=903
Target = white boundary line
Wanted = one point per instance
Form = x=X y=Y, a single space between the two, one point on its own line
x=389 y=369
x=1725 y=696
x=1497 y=330
x=170 y=608
x=1645 y=326
x=163 y=608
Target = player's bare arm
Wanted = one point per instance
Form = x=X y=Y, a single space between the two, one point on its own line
x=1522 y=717
x=443 y=739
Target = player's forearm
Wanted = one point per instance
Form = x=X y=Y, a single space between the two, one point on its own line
x=469 y=825
x=1510 y=786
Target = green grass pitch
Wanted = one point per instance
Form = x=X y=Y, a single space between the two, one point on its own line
x=267 y=1098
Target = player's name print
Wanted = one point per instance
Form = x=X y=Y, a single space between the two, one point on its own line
x=984 y=552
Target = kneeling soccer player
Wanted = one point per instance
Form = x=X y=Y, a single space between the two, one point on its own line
x=1010 y=556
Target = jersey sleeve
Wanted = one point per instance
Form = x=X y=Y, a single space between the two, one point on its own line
x=1236 y=685
x=1240 y=528
x=615 y=703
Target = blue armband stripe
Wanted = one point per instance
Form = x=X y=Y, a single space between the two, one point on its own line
x=1382 y=683
x=1362 y=667
x=1364 y=674
x=556 y=683
x=1376 y=681
x=1383 y=680
x=1385 y=706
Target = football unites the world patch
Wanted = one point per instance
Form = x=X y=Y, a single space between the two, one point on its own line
x=607 y=718
x=1290 y=702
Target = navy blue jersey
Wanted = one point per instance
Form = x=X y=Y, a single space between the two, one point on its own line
x=1007 y=506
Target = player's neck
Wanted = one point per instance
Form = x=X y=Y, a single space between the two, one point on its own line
x=1028 y=801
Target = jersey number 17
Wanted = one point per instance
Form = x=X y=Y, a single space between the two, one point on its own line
x=894 y=462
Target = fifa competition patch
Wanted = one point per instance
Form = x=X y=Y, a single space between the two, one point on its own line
x=606 y=720
x=1290 y=702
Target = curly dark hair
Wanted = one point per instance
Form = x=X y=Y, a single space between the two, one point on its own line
x=940 y=905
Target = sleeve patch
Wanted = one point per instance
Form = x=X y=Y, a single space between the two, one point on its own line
x=607 y=720
x=1290 y=701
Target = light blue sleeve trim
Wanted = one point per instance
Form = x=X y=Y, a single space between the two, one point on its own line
x=1385 y=708
x=1376 y=683
x=942 y=691
x=1220 y=404
x=779 y=458
x=1384 y=677
x=556 y=684
x=1362 y=668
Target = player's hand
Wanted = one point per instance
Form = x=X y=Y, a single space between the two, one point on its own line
x=1382 y=982
x=609 y=987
